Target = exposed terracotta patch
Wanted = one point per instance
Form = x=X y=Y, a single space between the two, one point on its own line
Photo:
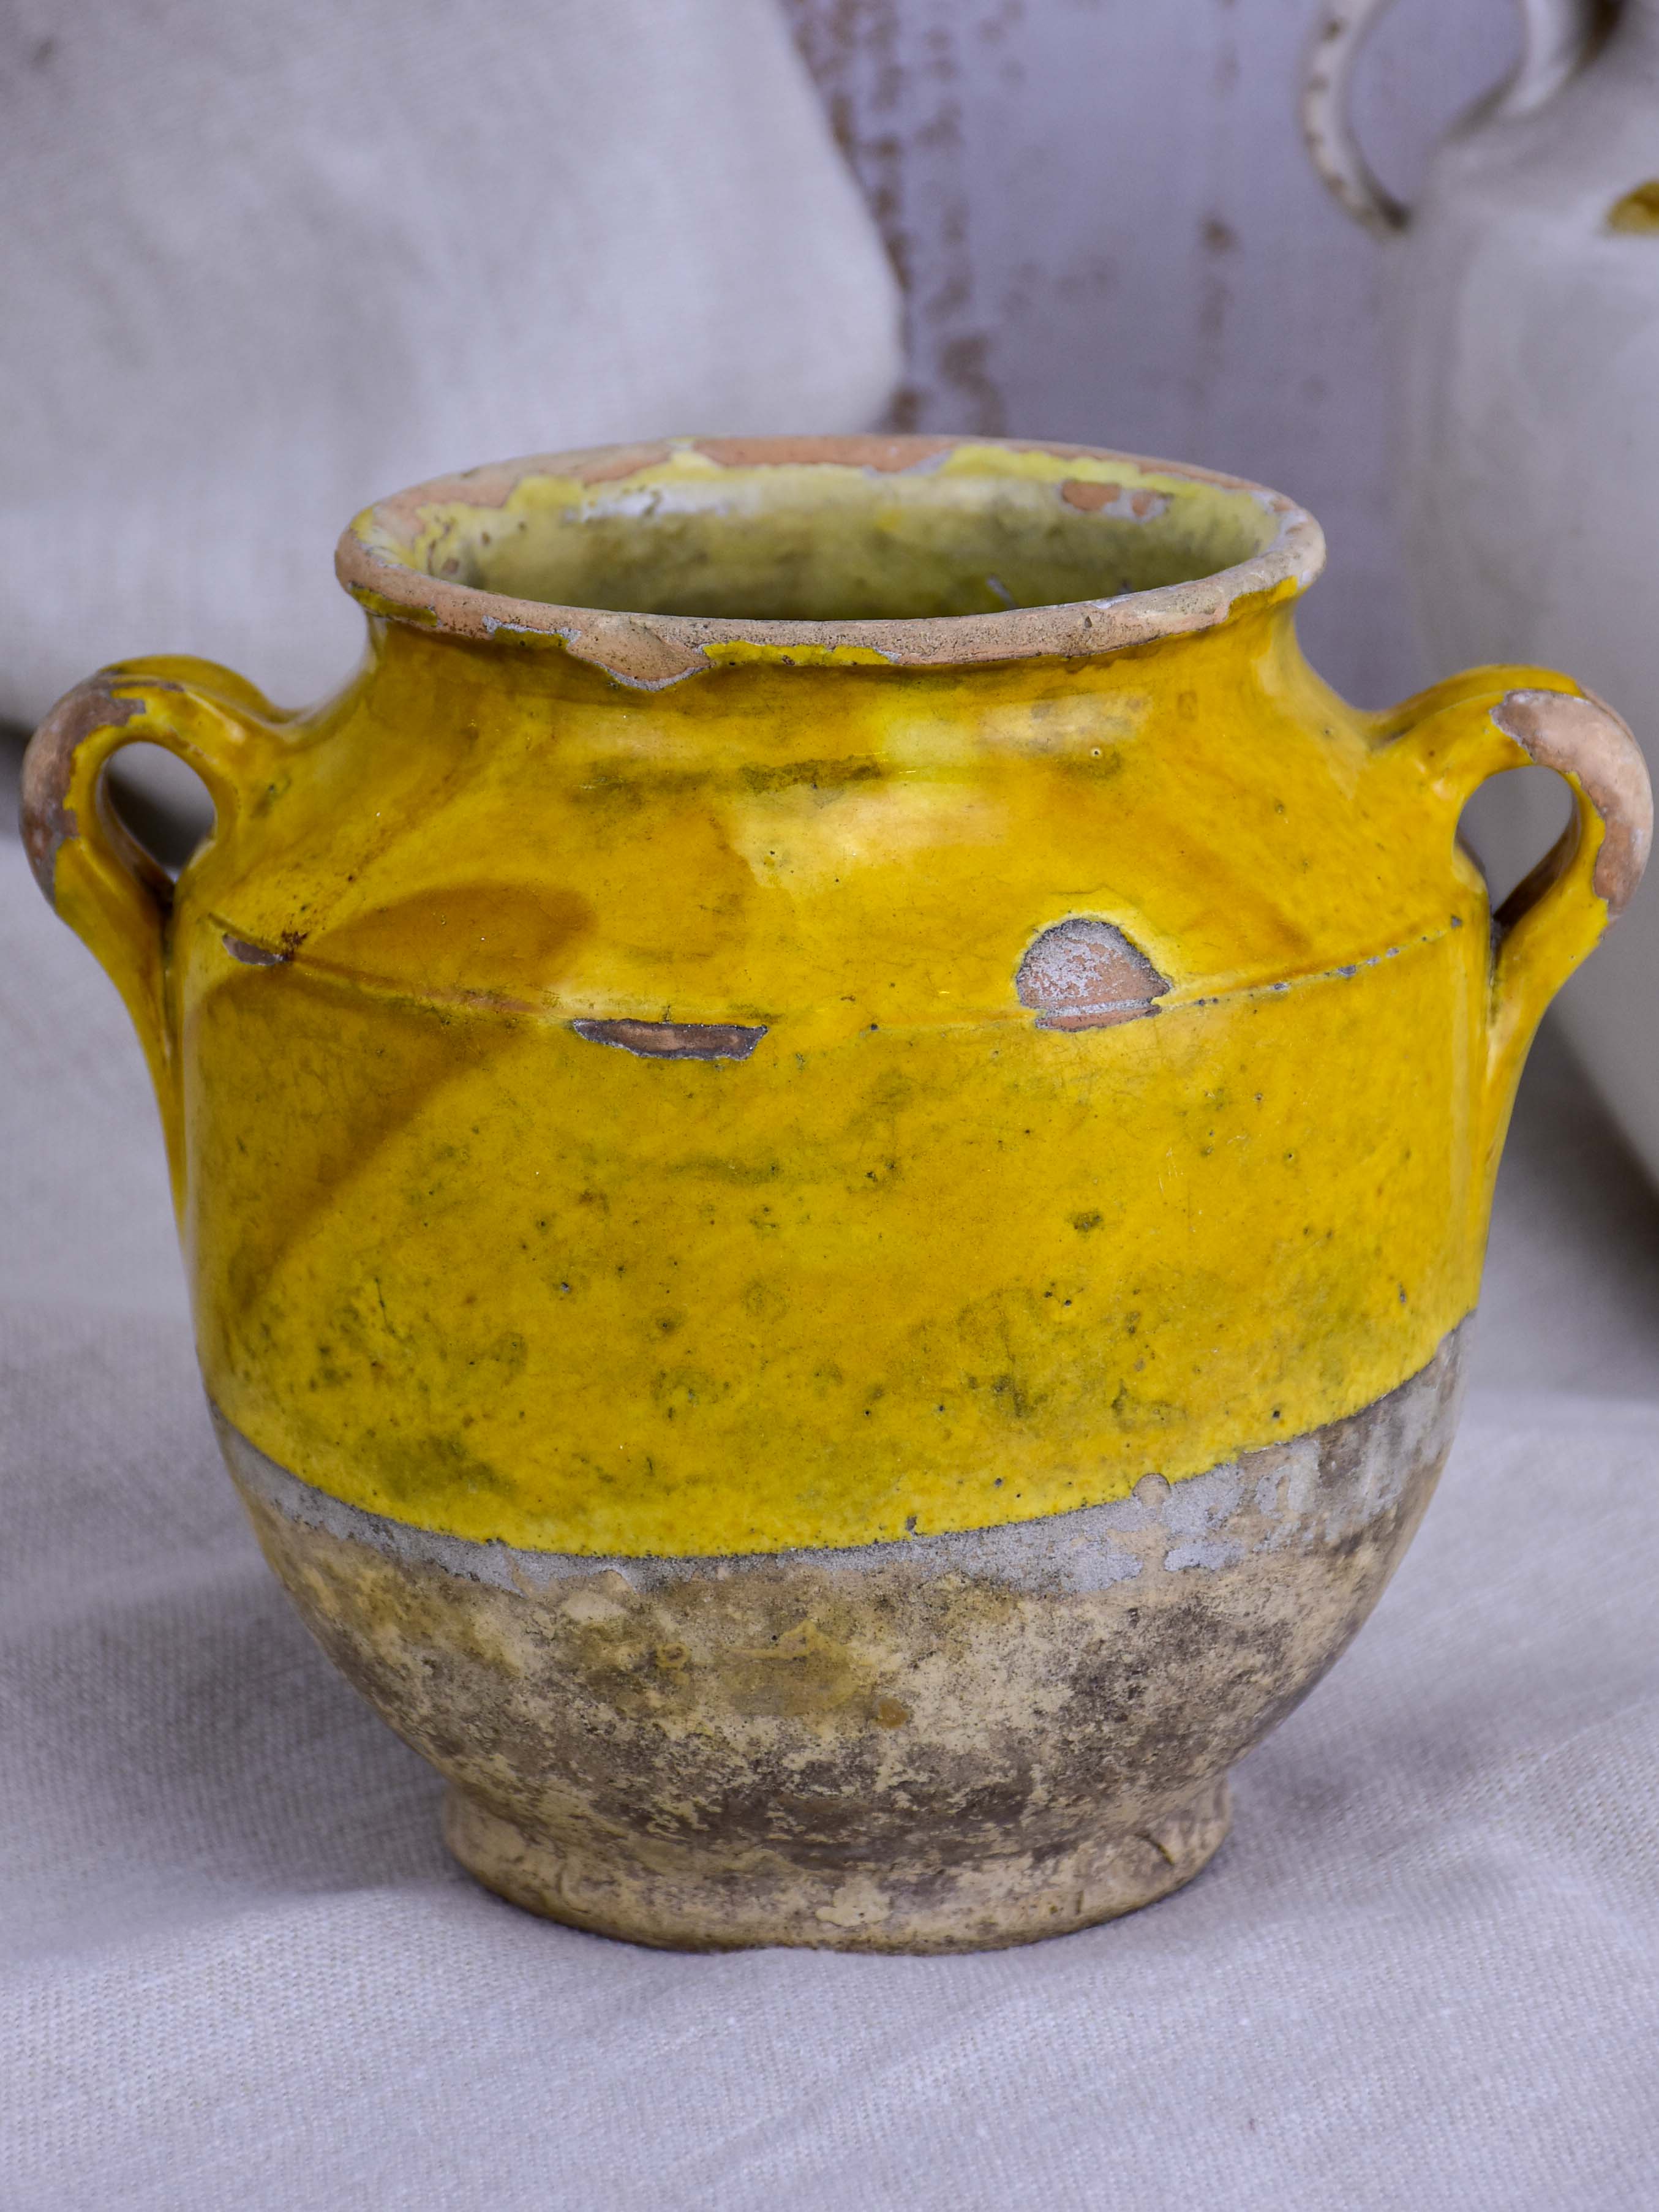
x=254 y=956
x=1086 y=975
x=1113 y=498
x=890 y=455
x=675 y=1040
x=403 y=515
x=611 y=462
x=1580 y=735
x=636 y=652
x=1089 y=496
x=48 y=822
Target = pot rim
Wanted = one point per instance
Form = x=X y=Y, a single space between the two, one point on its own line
x=376 y=556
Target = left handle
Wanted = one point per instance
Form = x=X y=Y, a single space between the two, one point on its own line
x=93 y=871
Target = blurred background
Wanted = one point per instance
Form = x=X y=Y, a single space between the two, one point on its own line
x=1108 y=230
x=261 y=266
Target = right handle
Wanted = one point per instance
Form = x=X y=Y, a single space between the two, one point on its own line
x=1555 y=37
x=1556 y=915
x=1478 y=726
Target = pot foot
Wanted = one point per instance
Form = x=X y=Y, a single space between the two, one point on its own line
x=646 y=1890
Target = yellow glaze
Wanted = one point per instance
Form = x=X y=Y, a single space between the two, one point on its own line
x=917 y=1263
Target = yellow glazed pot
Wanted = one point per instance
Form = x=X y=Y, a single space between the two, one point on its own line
x=833 y=1132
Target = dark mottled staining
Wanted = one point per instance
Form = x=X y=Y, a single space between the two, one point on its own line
x=819 y=774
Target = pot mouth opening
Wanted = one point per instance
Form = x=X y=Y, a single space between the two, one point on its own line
x=661 y=562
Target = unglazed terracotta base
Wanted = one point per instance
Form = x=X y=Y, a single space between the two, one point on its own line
x=670 y=1895
x=949 y=1744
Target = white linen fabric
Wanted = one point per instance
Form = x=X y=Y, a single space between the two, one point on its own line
x=259 y=266
x=237 y=1969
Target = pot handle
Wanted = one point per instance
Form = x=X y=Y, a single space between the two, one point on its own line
x=1556 y=35
x=93 y=871
x=1494 y=718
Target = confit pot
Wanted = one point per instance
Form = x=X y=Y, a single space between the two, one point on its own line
x=833 y=1132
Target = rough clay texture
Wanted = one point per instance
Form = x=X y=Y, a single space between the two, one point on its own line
x=948 y=1744
x=1085 y=975
x=47 y=821
x=675 y=1040
x=1582 y=736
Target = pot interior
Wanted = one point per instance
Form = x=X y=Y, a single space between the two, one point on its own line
x=825 y=530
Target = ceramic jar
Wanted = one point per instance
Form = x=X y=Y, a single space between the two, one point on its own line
x=1526 y=306
x=833 y=1131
